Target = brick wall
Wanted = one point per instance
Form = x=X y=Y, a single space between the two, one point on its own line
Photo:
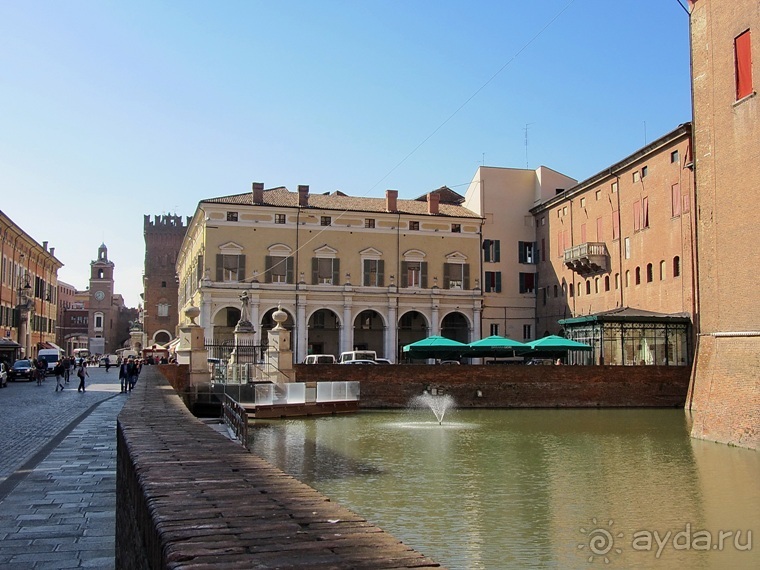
x=188 y=497
x=514 y=386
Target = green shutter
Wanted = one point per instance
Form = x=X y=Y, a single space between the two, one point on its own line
x=404 y=271
x=241 y=268
x=314 y=270
x=289 y=270
x=497 y=250
x=380 y=273
x=268 y=269
x=497 y=289
x=365 y=272
x=446 y=275
x=219 y=267
x=466 y=276
x=486 y=250
x=423 y=270
x=336 y=271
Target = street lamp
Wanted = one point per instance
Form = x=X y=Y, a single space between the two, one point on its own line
x=23 y=313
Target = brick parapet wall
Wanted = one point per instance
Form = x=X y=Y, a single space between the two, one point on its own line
x=188 y=497
x=513 y=386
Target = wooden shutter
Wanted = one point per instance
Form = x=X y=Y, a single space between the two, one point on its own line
x=289 y=270
x=365 y=272
x=404 y=274
x=336 y=271
x=423 y=271
x=219 y=267
x=615 y=225
x=314 y=270
x=466 y=276
x=743 y=55
x=446 y=275
x=380 y=273
x=241 y=268
x=636 y=215
x=497 y=250
x=486 y=250
x=498 y=282
x=675 y=200
x=644 y=212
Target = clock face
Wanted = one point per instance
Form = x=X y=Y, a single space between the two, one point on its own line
x=99 y=295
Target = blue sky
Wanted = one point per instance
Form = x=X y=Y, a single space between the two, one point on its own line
x=115 y=110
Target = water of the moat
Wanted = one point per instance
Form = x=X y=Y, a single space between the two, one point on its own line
x=497 y=489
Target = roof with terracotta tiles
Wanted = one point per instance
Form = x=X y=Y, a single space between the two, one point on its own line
x=282 y=197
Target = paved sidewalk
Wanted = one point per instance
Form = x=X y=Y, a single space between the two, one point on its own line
x=58 y=473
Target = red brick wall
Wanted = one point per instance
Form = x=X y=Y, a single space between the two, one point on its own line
x=514 y=386
x=725 y=396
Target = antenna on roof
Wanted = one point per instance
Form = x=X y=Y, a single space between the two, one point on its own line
x=526 y=144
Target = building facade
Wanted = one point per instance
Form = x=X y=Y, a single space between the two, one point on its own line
x=620 y=245
x=73 y=318
x=503 y=197
x=725 y=49
x=28 y=291
x=351 y=273
x=163 y=239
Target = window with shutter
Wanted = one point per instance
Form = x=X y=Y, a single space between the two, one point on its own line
x=743 y=62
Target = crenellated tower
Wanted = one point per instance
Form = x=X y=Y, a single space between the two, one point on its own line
x=163 y=238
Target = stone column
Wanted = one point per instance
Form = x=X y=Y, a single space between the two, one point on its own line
x=391 y=330
x=302 y=329
x=435 y=328
x=348 y=324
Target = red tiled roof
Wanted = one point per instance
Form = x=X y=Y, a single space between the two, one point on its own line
x=282 y=197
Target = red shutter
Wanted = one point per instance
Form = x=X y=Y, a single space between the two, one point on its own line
x=676 y=200
x=636 y=216
x=645 y=212
x=743 y=55
x=615 y=225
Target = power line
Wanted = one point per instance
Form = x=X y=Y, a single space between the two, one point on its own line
x=477 y=91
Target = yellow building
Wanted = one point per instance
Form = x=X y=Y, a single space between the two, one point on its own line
x=351 y=272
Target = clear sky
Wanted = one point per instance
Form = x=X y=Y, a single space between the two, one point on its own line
x=113 y=110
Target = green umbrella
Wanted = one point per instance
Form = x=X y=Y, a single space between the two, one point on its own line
x=554 y=343
x=435 y=347
x=495 y=346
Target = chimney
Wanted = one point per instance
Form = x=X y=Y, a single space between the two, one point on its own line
x=432 y=200
x=303 y=195
x=257 y=189
x=44 y=245
x=52 y=251
x=390 y=200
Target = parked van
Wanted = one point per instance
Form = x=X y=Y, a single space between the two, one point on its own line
x=51 y=356
x=319 y=359
x=357 y=355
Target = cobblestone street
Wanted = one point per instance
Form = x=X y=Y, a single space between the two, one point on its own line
x=57 y=472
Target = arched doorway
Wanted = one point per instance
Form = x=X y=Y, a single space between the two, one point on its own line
x=224 y=324
x=369 y=330
x=323 y=333
x=412 y=326
x=456 y=327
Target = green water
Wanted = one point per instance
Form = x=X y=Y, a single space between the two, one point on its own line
x=497 y=489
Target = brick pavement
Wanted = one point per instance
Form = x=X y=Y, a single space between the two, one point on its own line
x=58 y=473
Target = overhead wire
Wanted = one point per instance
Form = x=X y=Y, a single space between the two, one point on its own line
x=524 y=47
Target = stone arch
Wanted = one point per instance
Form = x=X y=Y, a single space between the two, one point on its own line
x=369 y=331
x=323 y=330
x=456 y=326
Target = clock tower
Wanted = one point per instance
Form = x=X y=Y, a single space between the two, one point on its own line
x=102 y=317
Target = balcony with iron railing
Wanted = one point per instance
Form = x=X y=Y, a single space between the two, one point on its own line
x=588 y=258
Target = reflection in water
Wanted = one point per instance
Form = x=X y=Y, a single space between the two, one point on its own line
x=498 y=489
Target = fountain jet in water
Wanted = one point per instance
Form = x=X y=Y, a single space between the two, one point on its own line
x=438 y=404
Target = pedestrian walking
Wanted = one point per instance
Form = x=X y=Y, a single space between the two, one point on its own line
x=81 y=374
x=39 y=371
x=67 y=362
x=124 y=376
x=108 y=363
x=58 y=371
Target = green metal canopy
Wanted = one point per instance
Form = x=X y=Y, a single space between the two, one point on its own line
x=554 y=343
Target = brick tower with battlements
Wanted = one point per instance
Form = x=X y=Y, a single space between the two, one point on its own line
x=163 y=238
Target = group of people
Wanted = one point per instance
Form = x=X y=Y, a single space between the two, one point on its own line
x=62 y=371
x=129 y=372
